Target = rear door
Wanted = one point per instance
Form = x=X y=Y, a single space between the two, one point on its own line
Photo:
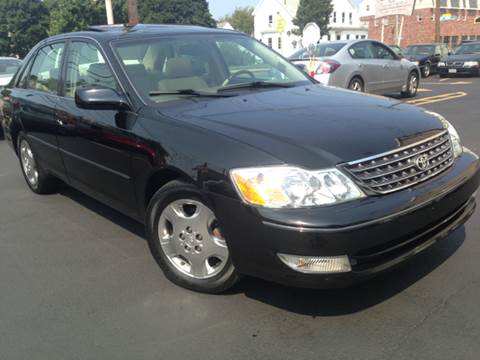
x=95 y=144
x=366 y=66
x=37 y=97
x=392 y=68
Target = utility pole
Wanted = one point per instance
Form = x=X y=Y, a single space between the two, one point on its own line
x=133 y=18
x=108 y=7
x=437 y=21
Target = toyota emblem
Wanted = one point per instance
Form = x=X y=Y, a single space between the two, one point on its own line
x=422 y=163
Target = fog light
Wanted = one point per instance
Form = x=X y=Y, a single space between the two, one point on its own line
x=317 y=264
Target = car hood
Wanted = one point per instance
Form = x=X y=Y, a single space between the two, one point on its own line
x=416 y=57
x=463 y=57
x=311 y=126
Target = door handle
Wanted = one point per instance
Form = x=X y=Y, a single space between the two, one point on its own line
x=60 y=122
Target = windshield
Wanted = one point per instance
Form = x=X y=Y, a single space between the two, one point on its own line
x=162 y=69
x=318 y=51
x=9 y=67
x=468 y=49
x=424 y=50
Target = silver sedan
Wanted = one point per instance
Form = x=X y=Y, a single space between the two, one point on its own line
x=360 y=65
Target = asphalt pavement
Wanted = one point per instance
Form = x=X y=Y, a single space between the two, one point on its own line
x=78 y=282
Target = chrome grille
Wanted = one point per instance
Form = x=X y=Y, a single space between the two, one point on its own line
x=403 y=167
x=455 y=63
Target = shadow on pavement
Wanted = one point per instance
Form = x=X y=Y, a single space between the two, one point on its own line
x=103 y=210
x=360 y=297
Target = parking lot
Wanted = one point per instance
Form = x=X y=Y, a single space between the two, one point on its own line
x=78 y=282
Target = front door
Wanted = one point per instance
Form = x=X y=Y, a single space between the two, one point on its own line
x=366 y=66
x=95 y=144
x=392 y=69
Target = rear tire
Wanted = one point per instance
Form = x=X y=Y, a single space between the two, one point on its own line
x=39 y=180
x=412 y=85
x=356 y=84
x=185 y=239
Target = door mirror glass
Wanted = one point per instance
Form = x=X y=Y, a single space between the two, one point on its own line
x=99 y=99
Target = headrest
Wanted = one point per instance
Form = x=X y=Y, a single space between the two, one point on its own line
x=100 y=70
x=136 y=69
x=178 y=67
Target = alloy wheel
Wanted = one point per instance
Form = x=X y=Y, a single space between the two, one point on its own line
x=28 y=163
x=191 y=239
x=413 y=85
x=356 y=85
x=426 y=70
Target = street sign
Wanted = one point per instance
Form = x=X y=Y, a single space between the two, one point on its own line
x=393 y=7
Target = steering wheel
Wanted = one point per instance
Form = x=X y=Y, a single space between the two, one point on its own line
x=238 y=73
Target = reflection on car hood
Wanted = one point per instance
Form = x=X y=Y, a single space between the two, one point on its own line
x=319 y=125
x=416 y=57
x=463 y=57
x=5 y=79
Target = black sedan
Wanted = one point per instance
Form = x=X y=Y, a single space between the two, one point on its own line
x=236 y=162
x=465 y=61
x=426 y=56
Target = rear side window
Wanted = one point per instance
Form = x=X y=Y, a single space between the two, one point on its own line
x=86 y=67
x=318 y=51
x=361 y=50
x=45 y=72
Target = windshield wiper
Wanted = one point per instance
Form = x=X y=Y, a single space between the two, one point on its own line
x=256 y=84
x=189 y=92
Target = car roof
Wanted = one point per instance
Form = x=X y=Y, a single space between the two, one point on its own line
x=105 y=33
x=423 y=44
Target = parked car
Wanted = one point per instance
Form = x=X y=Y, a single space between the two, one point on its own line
x=236 y=161
x=426 y=56
x=8 y=68
x=465 y=61
x=360 y=65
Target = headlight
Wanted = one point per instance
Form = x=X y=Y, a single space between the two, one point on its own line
x=470 y=63
x=416 y=62
x=290 y=187
x=441 y=63
x=454 y=137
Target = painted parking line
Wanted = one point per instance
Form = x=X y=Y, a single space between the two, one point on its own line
x=437 y=98
x=449 y=83
x=444 y=79
x=423 y=90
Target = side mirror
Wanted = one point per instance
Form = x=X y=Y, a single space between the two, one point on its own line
x=100 y=99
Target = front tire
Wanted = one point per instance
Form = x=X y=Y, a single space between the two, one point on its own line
x=39 y=180
x=427 y=70
x=412 y=85
x=185 y=239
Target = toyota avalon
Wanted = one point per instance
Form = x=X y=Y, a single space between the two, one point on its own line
x=236 y=161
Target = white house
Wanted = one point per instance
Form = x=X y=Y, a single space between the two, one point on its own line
x=274 y=24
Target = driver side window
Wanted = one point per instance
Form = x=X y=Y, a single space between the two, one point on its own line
x=380 y=51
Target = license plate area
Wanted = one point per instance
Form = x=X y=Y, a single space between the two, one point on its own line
x=452 y=71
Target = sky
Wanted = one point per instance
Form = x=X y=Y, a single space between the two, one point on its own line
x=221 y=7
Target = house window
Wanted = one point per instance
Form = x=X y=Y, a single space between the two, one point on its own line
x=473 y=4
x=343 y=18
x=279 y=43
x=350 y=18
x=455 y=3
x=338 y=37
x=368 y=7
x=443 y=3
x=270 y=20
x=334 y=17
x=270 y=42
x=329 y=37
x=348 y=36
x=363 y=37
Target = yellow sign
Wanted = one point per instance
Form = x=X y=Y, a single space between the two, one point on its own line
x=280 y=24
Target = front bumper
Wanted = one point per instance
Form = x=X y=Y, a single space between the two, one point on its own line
x=468 y=71
x=377 y=233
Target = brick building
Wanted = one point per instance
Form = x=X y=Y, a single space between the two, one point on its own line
x=459 y=20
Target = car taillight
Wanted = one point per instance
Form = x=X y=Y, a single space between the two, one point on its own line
x=327 y=67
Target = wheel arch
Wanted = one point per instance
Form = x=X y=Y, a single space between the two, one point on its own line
x=158 y=179
x=359 y=76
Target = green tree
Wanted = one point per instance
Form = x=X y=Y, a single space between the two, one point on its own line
x=194 y=12
x=76 y=15
x=316 y=11
x=23 y=23
x=241 y=19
